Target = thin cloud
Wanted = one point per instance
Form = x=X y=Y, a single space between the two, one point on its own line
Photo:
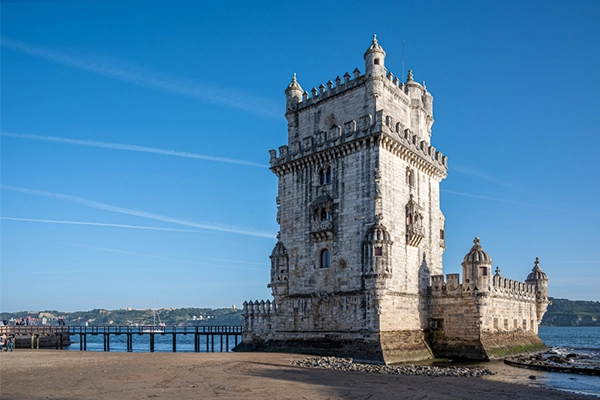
x=17 y=272
x=121 y=210
x=154 y=256
x=129 y=147
x=235 y=261
x=51 y=221
x=571 y=262
x=476 y=196
x=476 y=173
x=139 y=76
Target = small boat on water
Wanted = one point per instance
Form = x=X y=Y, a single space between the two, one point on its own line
x=154 y=328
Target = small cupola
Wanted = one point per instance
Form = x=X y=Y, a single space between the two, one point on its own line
x=477 y=255
x=477 y=268
x=293 y=93
x=536 y=273
x=374 y=58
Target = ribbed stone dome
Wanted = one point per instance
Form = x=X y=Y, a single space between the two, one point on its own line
x=294 y=85
x=477 y=254
x=374 y=47
x=279 y=250
x=378 y=233
x=537 y=273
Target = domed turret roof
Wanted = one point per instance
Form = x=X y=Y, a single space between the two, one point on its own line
x=537 y=273
x=374 y=47
x=477 y=254
x=279 y=250
x=294 y=85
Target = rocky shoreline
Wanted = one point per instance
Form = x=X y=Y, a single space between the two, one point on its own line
x=348 y=364
x=554 y=362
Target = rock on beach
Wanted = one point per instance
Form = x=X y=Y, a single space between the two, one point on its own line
x=347 y=364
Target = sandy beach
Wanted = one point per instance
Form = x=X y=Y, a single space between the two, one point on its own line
x=55 y=374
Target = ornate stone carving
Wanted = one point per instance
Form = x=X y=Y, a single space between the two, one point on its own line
x=415 y=232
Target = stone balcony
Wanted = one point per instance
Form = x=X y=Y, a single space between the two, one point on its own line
x=414 y=234
x=321 y=230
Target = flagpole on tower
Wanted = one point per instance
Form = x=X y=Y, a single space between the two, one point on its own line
x=402 y=59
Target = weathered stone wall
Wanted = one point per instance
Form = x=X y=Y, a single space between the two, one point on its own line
x=351 y=215
x=486 y=324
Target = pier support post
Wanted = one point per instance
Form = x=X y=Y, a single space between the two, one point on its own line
x=106 y=342
x=152 y=342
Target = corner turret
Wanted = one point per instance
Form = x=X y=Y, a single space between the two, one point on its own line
x=477 y=269
x=539 y=279
x=374 y=59
x=293 y=94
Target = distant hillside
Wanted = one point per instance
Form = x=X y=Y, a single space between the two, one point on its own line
x=99 y=317
x=563 y=312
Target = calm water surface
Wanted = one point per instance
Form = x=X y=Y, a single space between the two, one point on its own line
x=162 y=343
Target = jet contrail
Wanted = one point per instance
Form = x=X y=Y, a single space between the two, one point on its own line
x=139 y=76
x=158 y=257
x=129 y=147
x=143 y=214
x=476 y=196
x=474 y=172
x=51 y=221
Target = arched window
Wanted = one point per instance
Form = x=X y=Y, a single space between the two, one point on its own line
x=324 y=215
x=325 y=175
x=325 y=259
x=410 y=177
x=378 y=251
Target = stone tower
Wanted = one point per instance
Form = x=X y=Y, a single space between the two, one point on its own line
x=361 y=230
x=357 y=268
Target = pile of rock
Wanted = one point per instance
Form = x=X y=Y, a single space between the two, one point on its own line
x=347 y=364
x=552 y=361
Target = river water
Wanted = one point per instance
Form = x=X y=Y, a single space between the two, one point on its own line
x=564 y=340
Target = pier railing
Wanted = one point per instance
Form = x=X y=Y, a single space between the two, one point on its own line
x=209 y=333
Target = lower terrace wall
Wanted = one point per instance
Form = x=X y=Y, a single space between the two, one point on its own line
x=345 y=325
x=488 y=324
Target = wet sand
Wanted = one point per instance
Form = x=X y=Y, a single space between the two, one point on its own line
x=55 y=374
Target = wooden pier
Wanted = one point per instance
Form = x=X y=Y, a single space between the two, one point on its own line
x=224 y=333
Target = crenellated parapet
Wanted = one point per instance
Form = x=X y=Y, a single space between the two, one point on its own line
x=353 y=137
x=258 y=318
x=343 y=115
x=259 y=308
x=510 y=288
x=500 y=288
x=411 y=93
x=328 y=92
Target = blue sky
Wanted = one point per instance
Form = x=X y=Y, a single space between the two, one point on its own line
x=134 y=138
